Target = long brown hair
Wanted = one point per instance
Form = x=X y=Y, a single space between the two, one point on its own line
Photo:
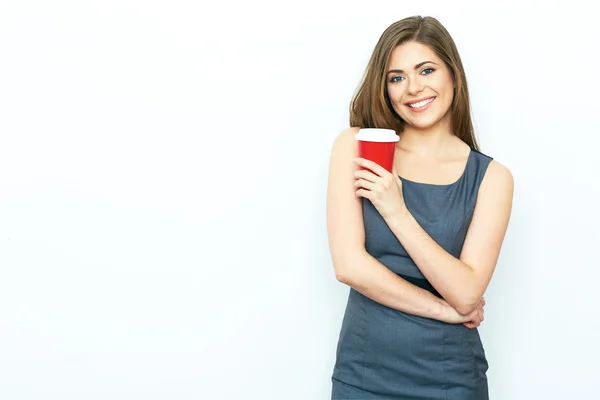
x=371 y=107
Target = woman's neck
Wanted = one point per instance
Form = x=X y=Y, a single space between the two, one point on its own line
x=433 y=142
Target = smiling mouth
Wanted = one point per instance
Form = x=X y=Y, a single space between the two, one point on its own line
x=421 y=104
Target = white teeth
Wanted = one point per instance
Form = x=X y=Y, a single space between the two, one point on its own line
x=421 y=103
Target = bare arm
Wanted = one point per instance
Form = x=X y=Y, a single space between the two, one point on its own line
x=462 y=281
x=353 y=265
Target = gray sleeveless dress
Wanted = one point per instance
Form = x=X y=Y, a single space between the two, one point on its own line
x=387 y=354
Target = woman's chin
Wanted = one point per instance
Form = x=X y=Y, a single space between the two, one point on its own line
x=421 y=125
x=426 y=123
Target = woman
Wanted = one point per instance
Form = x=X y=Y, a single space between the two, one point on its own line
x=417 y=246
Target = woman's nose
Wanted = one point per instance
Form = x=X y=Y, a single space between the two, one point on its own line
x=414 y=86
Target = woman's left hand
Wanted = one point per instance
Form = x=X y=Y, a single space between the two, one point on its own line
x=382 y=188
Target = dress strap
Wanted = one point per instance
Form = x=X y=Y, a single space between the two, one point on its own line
x=476 y=169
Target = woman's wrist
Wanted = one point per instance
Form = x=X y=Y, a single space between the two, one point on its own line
x=399 y=218
x=448 y=314
x=443 y=310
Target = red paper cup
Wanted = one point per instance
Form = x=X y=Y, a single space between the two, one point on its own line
x=377 y=145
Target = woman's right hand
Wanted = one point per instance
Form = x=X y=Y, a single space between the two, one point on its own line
x=472 y=320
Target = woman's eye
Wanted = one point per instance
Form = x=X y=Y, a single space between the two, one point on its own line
x=426 y=71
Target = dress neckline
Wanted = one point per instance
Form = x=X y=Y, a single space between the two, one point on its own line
x=446 y=184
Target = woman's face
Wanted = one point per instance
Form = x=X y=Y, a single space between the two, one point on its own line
x=419 y=85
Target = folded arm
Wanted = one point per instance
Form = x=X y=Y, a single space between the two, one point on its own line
x=462 y=281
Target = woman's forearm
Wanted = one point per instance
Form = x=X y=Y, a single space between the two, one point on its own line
x=452 y=278
x=374 y=280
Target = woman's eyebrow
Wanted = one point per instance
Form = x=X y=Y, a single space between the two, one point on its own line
x=419 y=65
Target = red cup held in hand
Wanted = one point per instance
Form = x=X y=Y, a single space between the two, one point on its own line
x=377 y=145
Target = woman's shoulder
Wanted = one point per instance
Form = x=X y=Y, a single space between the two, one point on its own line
x=490 y=173
x=496 y=174
x=493 y=164
x=481 y=155
x=344 y=143
x=346 y=136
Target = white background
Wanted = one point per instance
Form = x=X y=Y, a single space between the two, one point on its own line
x=162 y=193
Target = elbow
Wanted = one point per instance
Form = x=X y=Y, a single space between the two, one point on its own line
x=465 y=306
x=345 y=268
x=342 y=274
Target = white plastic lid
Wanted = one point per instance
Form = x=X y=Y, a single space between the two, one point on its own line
x=376 y=135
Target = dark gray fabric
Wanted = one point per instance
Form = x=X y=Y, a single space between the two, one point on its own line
x=387 y=354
